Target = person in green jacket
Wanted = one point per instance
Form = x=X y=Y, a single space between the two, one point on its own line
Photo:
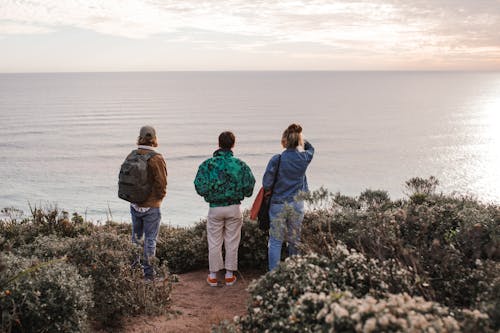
x=224 y=181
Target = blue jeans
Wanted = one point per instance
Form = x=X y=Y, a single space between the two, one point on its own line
x=147 y=224
x=286 y=220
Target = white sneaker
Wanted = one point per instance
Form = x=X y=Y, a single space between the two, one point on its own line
x=231 y=280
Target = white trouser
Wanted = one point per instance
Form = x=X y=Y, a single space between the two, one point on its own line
x=224 y=225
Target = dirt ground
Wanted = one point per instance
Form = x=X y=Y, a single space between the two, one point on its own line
x=197 y=306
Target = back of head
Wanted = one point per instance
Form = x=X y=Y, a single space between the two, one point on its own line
x=227 y=140
x=292 y=136
x=147 y=136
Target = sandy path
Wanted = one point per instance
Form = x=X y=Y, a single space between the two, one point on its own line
x=199 y=305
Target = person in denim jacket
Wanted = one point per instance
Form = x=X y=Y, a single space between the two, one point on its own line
x=286 y=214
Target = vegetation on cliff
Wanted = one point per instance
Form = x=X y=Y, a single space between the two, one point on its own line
x=425 y=263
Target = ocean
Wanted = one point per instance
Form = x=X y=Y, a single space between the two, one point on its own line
x=63 y=137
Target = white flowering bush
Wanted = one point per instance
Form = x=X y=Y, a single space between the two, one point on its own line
x=343 y=312
x=443 y=248
x=273 y=295
x=451 y=243
x=40 y=296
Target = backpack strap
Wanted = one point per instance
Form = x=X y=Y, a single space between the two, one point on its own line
x=148 y=155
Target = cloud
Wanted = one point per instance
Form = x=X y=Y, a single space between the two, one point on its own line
x=9 y=28
x=391 y=27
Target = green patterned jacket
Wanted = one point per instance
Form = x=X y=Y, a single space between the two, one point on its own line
x=224 y=180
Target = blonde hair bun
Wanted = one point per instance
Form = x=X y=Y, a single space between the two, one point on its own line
x=292 y=137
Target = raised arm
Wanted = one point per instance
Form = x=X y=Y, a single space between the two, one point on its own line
x=308 y=150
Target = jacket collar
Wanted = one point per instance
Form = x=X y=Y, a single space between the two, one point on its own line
x=223 y=152
x=145 y=147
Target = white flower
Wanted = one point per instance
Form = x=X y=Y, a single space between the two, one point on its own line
x=339 y=311
x=370 y=325
x=329 y=318
x=383 y=321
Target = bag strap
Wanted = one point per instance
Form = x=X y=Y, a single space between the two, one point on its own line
x=277 y=171
x=148 y=155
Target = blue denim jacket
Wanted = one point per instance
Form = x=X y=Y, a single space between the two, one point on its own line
x=291 y=174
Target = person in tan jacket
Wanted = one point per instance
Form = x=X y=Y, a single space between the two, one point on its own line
x=146 y=216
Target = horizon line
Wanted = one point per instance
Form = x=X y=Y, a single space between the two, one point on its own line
x=253 y=71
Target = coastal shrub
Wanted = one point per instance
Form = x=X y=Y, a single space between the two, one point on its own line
x=375 y=199
x=118 y=288
x=342 y=312
x=19 y=229
x=45 y=247
x=441 y=238
x=445 y=248
x=253 y=245
x=52 y=220
x=306 y=295
x=273 y=295
x=185 y=249
x=105 y=258
x=43 y=296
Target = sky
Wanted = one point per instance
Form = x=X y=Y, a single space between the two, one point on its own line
x=163 y=35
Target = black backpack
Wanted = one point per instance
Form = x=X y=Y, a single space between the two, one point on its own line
x=133 y=181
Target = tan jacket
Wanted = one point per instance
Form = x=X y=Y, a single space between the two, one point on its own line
x=157 y=171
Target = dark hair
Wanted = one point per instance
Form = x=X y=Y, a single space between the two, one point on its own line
x=291 y=136
x=226 y=140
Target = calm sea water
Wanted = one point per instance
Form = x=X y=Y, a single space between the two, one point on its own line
x=64 y=136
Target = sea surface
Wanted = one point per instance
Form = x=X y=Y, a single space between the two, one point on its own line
x=64 y=136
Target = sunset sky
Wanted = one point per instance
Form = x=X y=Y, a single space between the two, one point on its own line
x=149 y=35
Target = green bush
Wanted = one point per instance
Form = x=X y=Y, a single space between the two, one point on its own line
x=19 y=230
x=186 y=249
x=39 y=296
x=253 y=245
x=106 y=258
x=441 y=239
x=119 y=290
x=45 y=247
x=444 y=248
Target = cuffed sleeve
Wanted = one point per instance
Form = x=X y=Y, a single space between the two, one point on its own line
x=308 y=150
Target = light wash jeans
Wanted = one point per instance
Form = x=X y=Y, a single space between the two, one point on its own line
x=147 y=224
x=286 y=220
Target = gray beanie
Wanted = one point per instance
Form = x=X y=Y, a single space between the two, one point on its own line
x=147 y=132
